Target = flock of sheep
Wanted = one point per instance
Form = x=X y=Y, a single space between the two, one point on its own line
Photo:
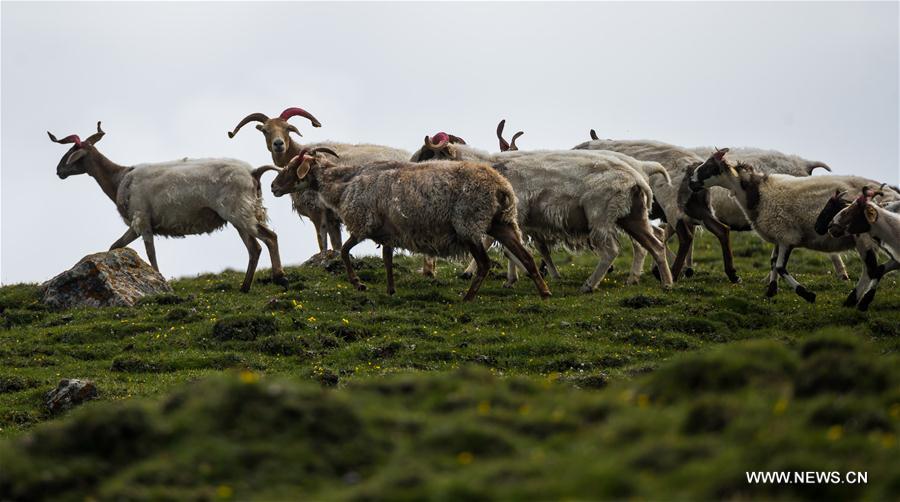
x=449 y=198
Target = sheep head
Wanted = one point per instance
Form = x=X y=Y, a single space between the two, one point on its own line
x=857 y=217
x=295 y=176
x=276 y=129
x=437 y=147
x=715 y=171
x=504 y=145
x=73 y=162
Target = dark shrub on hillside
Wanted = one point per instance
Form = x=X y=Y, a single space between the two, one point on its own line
x=162 y=299
x=856 y=415
x=470 y=438
x=351 y=333
x=282 y=345
x=836 y=372
x=836 y=342
x=708 y=415
x=15 y=383
x=643 y=301
x=244 y=328
x=19 y=317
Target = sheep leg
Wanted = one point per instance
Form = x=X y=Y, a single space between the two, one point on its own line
x=642 y=238
x=544 y=249
x=473 y=265
x=689 y=262
x=321 y=232
x=254 y=250
x=839 y=269
x=333 y=227
x=685 y=239
x=151 y=249
x=880 y=271
x=772 y=289
x=606 y=255
x=483 y=261
x=512 y=273
x=722 y=232
x=428 y=265
x=345 y=257
x=510 y=240
x=127 y=238
x=638 y=254
x=270 y=239
x=870 y=273
x=387 y=254
x=667 y=233
x=784 y=254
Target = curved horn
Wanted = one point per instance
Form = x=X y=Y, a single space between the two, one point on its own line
x=812 y=165
x=291 y=128
x=94 y=138
x=438 y=141
x=292 y=112
x=594 y=135
x=512 y=143
x=72 y=138
x=253 y=117
x=504 y=146
x=456 y=139
x=323 y=149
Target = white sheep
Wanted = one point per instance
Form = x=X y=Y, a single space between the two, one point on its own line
x=783 y=210
x=682 y=209
x=865 y=217
x=178 y=198
x=578 y=199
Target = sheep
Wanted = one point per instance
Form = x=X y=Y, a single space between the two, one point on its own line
x=782 y=209
x=283 y=148
x=580 y=199
x=767 y=162
x=882 y=223
x=178 y=198
x=441 y=208
x=682 y=209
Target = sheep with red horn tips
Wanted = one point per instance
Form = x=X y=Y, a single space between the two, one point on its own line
x=283 y=148
x=577 y=199
x=178 y=198
x=376 y=201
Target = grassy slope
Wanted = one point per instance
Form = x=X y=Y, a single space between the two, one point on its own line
x=576 y=396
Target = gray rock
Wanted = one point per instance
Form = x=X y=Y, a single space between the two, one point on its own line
x=69 y=393
x=331 y=261
x=116 y=278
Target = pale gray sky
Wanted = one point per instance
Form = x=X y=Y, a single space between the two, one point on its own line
x=168 y=80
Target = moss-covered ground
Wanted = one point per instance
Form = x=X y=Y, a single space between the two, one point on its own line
x=319 y=391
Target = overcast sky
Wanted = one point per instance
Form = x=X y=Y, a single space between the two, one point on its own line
x=168 y=80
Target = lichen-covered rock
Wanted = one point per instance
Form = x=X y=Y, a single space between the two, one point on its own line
x=116 y=278
x=330 y=260
x=69 y=393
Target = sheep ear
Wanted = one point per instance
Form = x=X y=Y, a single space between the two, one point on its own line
x=76 y=156
x=871 y=214
x=259 y=127
x=303 y=168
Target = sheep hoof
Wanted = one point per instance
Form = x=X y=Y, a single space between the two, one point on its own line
x=390 y=291
x=610 y=269
x=851 y=299
x=465 y=275
x=509 y=285
x=655 y=272
x=586 y=289
x=632 y=281
x=280 y=280
x=688 y=272
x=543 y=268
x=866 y=300
x=772 y=289
x=428 y=273
x=545 y=295
x=733 y=277
x=806 y=294
x=843 y=277
x=360 y=286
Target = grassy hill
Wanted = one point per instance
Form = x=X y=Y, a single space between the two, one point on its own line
x=320 y=391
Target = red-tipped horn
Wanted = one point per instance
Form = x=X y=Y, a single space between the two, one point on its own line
x=73 y=138
x=292 y=112
x=437 y=141
x=512 y=143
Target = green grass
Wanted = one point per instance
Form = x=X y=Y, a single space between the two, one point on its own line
x=320 y=391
